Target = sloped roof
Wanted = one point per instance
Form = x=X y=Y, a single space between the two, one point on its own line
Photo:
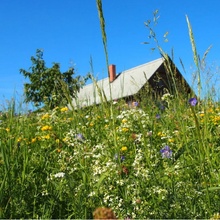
x=127 y=83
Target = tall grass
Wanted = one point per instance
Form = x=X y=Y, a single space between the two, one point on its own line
x=141 y=162
x=58 y=164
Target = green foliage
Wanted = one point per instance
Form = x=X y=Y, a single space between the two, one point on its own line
x=49 y=86
x=65 y=164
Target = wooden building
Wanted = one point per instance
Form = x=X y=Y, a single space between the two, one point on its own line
x=156 y=78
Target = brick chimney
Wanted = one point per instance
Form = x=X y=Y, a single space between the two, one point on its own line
x=112 y=72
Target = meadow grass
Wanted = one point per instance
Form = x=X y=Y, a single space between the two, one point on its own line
x=65 y=164
x=142 y=162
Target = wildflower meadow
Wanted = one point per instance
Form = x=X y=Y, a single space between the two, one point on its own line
x=141 y=162
x=113 y=160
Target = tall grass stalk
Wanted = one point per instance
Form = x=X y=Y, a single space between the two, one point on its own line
x=102 y=26
x=204 y=151
x=168 y=66
x=104 y=40
x=195 y=56
x=101 y=93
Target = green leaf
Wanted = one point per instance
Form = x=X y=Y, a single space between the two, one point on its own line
x=103 y=176
x=212 y=188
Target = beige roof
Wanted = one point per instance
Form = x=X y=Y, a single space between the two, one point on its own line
x=127 y=83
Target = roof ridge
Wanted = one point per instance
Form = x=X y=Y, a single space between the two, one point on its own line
x=153 y=61
x=144 y=64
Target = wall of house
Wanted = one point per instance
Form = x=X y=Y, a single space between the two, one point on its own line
x=163 y=81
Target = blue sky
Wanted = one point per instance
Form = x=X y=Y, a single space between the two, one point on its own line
x=69 y=33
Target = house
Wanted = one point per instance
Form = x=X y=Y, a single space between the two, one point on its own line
x=159 y=76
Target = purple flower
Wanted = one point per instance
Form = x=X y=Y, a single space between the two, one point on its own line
x=193 y=101
x=80 y=137
x=162 y=107
x=135 y=104
x=122 y=158
x=157 y=116
x=166 y=152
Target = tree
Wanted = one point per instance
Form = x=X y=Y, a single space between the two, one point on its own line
x=49 y=86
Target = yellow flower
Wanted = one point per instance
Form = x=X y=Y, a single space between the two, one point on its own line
x=124 y=148
x=19 y=139
x=45 y=116
x=46 y=128
x=7 y=129
x=216 y=216
x=171 y=140
x=91 y=124
x=161 y=134
x=124 y=120
x=46 y=137
x=125 y=129
x=210 y=110
x=57 y=141
x=64 y=109
x=216 y=120
x=33 y=140
x=65 y=139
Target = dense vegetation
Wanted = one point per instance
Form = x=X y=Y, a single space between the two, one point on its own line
x=142 y=162
x=49 y=86
x=156 y=159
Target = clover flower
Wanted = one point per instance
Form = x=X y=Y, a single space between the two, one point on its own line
x=166 y=152
x=193 y=101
